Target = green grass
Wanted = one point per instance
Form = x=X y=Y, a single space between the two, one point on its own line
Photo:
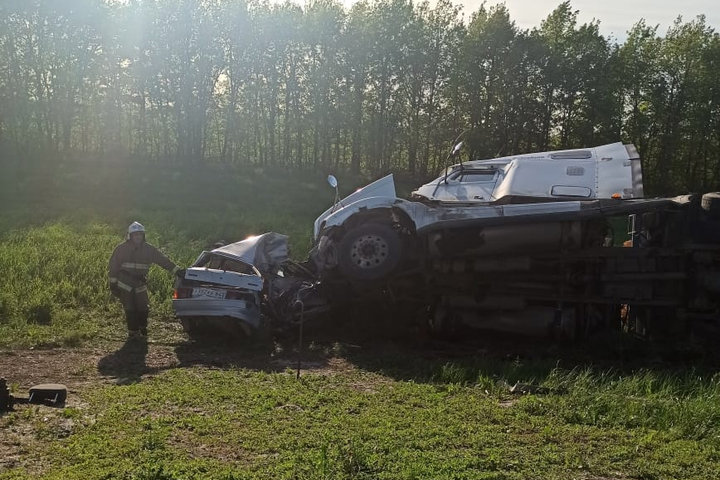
x=59 y=225
x=238 y=423
x=54 y=283
x=388 y=414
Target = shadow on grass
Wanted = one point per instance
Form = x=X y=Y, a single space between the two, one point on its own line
x=126 y=364
x=484 y=357
x=494 y=361
x=129 y=363
x=409 y=354
x=220 y=354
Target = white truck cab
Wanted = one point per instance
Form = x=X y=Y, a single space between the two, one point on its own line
x=503 y=203
x=608 y=171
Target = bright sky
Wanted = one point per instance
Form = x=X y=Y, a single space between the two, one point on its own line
x=616 y=16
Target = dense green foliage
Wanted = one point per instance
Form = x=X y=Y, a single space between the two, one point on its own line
x=452 y=420
x=385 y=85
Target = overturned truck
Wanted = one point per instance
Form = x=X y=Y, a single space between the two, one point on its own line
x=530 y=244
x=527 y=243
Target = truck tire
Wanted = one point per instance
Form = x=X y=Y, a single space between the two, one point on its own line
x=369 y=252
x=710 y=202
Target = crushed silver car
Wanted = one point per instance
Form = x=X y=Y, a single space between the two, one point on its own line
x=224 y=287
x=245 y=288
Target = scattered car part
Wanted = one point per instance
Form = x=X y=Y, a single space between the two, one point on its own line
x=53 y=394
x=6 y=398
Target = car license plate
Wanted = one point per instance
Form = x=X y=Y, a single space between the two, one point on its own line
x=208 y=292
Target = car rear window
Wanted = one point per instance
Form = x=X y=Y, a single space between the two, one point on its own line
x=218 y=262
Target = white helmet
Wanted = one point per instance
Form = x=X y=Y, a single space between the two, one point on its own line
x=135 y=227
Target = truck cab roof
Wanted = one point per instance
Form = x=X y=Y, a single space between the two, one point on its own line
x=606 y=171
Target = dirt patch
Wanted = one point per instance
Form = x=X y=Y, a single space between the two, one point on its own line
x=25 y=368
x=83 y=369
x=507 y=403
x=205 y=448
x=26 y=428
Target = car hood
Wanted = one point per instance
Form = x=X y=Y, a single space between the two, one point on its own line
x=265 y=251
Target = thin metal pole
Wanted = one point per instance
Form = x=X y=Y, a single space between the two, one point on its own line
x=300 y=339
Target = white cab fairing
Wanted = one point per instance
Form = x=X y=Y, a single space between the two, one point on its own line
x=607 y=171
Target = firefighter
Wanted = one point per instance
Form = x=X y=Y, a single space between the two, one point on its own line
x=129 y=265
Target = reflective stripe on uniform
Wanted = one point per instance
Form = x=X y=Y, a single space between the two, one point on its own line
x=141 y=289
x=136 y=266
x=124 y=286
x=112 y=280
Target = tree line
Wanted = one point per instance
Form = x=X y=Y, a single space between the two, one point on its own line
x=385 y=85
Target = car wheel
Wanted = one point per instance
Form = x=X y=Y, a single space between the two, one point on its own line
x=369 y=252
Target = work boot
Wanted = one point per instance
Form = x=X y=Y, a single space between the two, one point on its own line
x=142 y=318
x=131 y=320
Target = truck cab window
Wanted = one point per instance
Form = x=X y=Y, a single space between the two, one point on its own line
x=467 y=176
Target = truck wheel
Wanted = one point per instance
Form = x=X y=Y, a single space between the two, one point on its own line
x=369 y=252
x=710 y=202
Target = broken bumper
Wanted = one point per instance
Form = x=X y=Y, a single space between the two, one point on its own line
x=207 y=307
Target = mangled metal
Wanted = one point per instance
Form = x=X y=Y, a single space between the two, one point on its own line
x=240 y=287
x=521 y=244
x=265 y=252
x=533 y=231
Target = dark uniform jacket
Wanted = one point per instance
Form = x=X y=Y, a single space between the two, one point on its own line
x=129 y=266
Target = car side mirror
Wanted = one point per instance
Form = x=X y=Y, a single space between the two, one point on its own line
x=332 y=181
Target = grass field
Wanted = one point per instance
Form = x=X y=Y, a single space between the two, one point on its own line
x=364 y=408
x=59 y=225
x=357 y=414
